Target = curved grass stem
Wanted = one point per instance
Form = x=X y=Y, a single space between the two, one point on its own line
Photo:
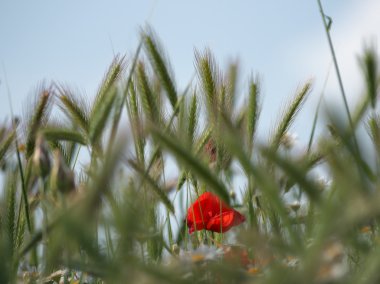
x=331 y=46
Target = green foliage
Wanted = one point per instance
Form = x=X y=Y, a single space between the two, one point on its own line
x=136 y=124
x=62 y=134
x=109 y=82
x=209 y=80
x=155 y=187
x=5 y=144
x=193 y=119
x=148 y=98
x=193 y=164
x=231 y=86
x=253 y=110
x=38 y=118
x=119 y=217
x=288 y=115
x=370 y=69
x=121 y=100
x=160 y=66
x=100 y=116
x=74 y=107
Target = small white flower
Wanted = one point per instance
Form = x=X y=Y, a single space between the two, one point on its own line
x=202 y=253
x=289 y=140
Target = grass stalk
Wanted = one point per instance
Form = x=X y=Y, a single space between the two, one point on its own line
x=338 y=74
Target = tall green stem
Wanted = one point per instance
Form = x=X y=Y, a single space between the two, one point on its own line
x=327 y=29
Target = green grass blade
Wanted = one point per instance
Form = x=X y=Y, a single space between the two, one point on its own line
x=262 y=178
x=20 y=230
x=252 y=111
x=193 y=119
x=327 y=25
x=39 y=117
x=370 y=69
x=288 y=115
x=232 y=85
x=360 y=111
x=136 y=124
x=155 y=187
x=160 y=65
x=23 y=183
x=109 y=82
x=149 y=102
x=313 y=128
x=123 y=98
x=62 y=134
x=100 y=116
x=209 y=78
x=5 y=144
x=156 y=153
x=296 y=172
x=11 y=212
x=204 y=138
x=193 y=164
x=74 y=107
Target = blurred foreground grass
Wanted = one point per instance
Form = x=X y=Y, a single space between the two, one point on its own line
x=117 y=217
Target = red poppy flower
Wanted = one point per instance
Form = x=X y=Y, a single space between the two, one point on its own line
x=210 y=213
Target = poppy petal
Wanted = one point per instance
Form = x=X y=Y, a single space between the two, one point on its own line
x=221 y=223
x=210 y=213
x=225 y=221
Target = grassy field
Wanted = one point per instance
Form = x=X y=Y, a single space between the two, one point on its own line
x=128 y=214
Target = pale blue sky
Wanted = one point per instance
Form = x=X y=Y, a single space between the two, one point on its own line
x=74 y=41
